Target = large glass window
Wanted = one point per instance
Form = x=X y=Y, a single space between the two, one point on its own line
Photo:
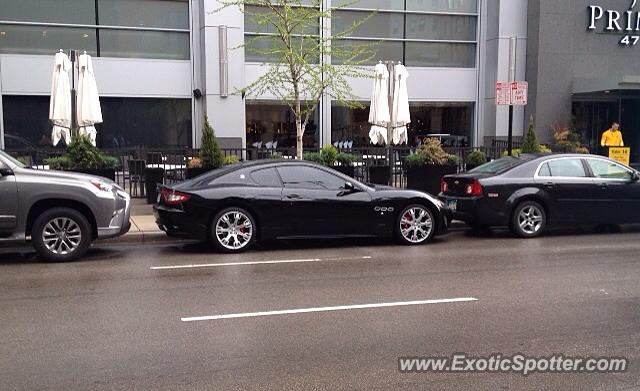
x=349 y=125
x=49 y=11
x=144 y=13
x=260 y=40
x=144 y=44
x=424 y=33
x=451 y=122
x=45 y=39
x=155 y=28
x=454 y=6
x=272 y=123
x=127 y=122
x=454 y=55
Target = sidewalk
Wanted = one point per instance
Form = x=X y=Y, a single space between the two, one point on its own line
x=143 y=225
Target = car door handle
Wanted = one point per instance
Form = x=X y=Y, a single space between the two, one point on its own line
x=549 y=185
x=604 y=185
x=293 y=197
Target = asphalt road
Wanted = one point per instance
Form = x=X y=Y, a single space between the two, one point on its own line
x=113 y=322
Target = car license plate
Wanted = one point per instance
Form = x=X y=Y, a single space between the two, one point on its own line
x=452 y=205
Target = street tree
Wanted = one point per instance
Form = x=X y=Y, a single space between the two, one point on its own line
x=305 y=60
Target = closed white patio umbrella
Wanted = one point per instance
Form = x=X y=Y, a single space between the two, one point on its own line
x=379 y=116
x=400 y=115
x=88 y=108
x=60 y=101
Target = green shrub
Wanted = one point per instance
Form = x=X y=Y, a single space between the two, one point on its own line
x=210 y=154
x=81 y=154
x=476 y=158
x=530 y=143
x=231 y=159
x=275 y=155
x=514 y=152
x=454 y=160
x=345 y=159
x=328 y=155
x=430 y=153
x=312 y=157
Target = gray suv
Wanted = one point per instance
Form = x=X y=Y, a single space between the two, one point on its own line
x=61 y=212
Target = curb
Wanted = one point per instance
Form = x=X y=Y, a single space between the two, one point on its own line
x=142 y=237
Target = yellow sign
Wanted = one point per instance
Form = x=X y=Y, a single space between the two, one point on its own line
x=620 y=154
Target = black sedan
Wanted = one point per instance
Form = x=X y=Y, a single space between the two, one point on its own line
x=237 y=205
x=530 y=192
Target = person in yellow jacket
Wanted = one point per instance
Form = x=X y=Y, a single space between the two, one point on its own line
x=612 y=137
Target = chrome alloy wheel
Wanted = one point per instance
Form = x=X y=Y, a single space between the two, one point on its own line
x=416 y=224
x=530 y=219
x=62 y=236
x=234 y=230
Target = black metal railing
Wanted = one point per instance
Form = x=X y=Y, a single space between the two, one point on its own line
x=381 y=165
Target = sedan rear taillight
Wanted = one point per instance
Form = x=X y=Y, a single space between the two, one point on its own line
x=172 y=197
x=474 y=188
x=444 y=186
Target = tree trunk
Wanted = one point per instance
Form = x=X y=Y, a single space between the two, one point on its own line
x=299 y=131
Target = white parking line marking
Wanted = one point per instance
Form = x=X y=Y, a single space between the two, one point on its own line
x=256 y=263
x=327 y=309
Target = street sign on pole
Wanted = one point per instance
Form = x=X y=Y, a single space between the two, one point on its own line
x=503 y=93
x=519 y=93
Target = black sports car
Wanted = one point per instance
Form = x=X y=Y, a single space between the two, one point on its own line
x=528 y=193
x=277 y=199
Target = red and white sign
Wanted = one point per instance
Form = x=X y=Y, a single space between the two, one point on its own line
x=515 y=93
x=519 y=93
x=503 y=93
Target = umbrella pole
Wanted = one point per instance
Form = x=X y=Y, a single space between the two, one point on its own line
x=392 y=77
x=74 y=118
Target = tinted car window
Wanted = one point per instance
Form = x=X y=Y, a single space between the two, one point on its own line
x=544 y=170
x=567 y=168
x=499 y=166
x=267 y=177
x=305 y=177
x=608 y=170
x=237 y=177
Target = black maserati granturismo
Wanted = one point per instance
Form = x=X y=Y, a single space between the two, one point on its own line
x=531 y=192
x=237 y=205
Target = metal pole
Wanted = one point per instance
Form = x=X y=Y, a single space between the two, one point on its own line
x=74 y=118
x=392 y=71
x=513 y=46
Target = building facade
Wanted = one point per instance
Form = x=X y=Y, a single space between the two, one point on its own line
x=161 y=65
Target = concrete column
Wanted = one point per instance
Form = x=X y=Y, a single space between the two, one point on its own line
x=226 y=114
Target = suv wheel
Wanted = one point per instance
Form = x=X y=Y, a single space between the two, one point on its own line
x=529 y=220
x=415 y=225
x=233 y=230
x=61 y=234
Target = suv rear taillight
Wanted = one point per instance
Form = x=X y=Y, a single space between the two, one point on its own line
x=172 y=197
x=474 y=188
x=444 y=186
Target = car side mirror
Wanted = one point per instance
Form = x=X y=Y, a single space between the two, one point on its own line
x=4 y=171
x=348 y=186
x=635 y=177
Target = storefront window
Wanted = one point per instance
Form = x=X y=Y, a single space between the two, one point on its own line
x=271 y=122
x=50 y=11
x=350 y=124
x=451 y=122
x=128 y=122
x=45 y=39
